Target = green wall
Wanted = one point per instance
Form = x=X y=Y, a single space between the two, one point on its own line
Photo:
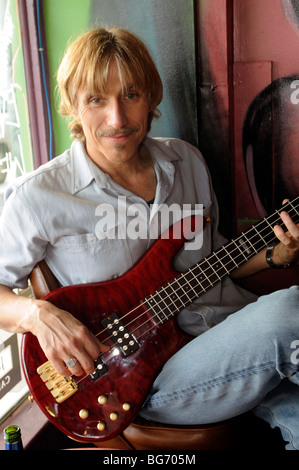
x=64 y=21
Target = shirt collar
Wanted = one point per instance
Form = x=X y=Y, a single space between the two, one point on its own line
x=84 y=171
x=160 y=150
x=164 y=158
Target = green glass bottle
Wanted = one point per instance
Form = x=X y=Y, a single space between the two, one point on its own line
x=12 y=438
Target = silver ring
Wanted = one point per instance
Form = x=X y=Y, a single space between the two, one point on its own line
x=70 y=363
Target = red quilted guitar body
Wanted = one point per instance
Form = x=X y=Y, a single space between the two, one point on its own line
x=101 y=408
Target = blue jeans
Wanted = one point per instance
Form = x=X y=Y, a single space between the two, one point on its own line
x=244 y=363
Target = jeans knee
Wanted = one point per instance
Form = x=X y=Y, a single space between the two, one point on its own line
x=280 y=311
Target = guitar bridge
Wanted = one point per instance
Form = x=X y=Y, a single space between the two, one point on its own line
x=60 y=387
x=120 y=335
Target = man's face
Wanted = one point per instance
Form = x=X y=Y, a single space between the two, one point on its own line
x=115 y=124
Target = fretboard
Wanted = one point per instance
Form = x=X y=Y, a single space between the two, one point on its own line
x=184 y=289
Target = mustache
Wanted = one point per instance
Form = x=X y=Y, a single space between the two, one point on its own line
x=117 y=132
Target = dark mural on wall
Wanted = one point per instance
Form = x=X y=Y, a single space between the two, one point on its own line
x=248 y=95
x=270 y=141
x=271 y=144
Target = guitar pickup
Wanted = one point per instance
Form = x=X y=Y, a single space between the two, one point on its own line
x=60 y=387
x=99 y=369
x=120 y=335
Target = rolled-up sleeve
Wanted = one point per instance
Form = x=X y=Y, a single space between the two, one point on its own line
x=22 y=243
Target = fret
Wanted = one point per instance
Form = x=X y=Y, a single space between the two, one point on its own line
x=248 y=241
x=256 y=242
x=223 y=265
x=182 y=290
x=266 y=238
x=199 y=278
x=241 y=250
x=273 y=220
x=218 y=267
x=268 y=224
x=193 y=278
x=269 y=237
x=231 y=259
x=290 y=203
x=206 y=273
x=163 y=305
x=179 y=285
x=191 y=284
x=214 y=270
x=260 y=236
x=173 y=297
x=278 y=219
x=191 y=288
x=154 y=307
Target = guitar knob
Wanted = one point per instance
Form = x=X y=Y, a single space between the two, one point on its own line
x=113 y=416
x=83 y=413
x=102 y=399
x=101 y=426
x=126 y=406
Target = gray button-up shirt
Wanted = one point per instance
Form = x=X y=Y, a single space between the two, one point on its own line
x=80 y=221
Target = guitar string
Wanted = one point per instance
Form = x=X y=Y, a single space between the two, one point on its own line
x=142 y=305
x=192 y=269
x=273 y=238
x=173 y=281
x=144 y=312
x=145 y=332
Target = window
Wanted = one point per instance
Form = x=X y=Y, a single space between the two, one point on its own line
x=15 y=160
x=15 y=139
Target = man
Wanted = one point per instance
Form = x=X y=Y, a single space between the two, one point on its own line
x=110 y=89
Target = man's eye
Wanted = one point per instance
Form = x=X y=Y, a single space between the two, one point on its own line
x=132 y=96
x=95 y=100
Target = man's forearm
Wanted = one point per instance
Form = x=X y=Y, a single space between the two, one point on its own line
x=254 y=265
x=16 y=313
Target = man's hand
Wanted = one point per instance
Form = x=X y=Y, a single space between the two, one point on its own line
x=62 y=337
x=284 y=253
x=287 y=251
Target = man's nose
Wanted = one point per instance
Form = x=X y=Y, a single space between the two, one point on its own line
x=116 y=116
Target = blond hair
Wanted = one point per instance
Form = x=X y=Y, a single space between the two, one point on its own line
x=86 y=62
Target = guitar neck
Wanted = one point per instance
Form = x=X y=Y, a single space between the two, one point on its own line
x=184 y=289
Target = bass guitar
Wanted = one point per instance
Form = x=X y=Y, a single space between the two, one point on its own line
x=135 y=315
